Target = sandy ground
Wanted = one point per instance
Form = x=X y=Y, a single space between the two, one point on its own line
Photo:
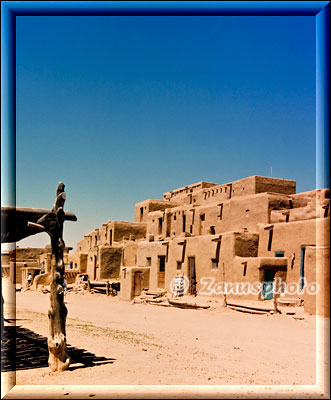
x=146 y=344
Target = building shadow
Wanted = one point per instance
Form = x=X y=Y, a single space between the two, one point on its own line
x=22 y=348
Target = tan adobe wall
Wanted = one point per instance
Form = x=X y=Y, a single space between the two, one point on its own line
x=143 y=208
x=181 y=194
x=103 y=235
x=308 y=205
x=237 y=213
x=205 y=192
x=85 y=244
x=317 y=265
x=110 y=262
x=91 y=264
x=203 y=248
x=150 y=250
x=243 y=187
x=28 y=257
x=127 y=276
x=123 y=230
x=129 y=253
x=274 y=185
x=289 y=238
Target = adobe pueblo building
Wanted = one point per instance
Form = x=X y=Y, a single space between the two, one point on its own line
x=253 y=231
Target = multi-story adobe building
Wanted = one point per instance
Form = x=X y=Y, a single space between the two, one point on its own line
x=254 y=230
x=17 y=264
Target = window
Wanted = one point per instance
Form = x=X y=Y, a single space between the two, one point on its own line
x=160 y=226
x=148 y=261
x=245 y=268
x=184 y=222
x=279 y=253
x=212 y=230
x=271 y=232
x=179 y=265
x=326 y=211
x=161 y=263
x=302 y=267
x=220 y=216
x=141 y=213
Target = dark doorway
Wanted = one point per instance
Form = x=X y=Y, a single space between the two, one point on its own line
x=161 y=273
x=96 y=268
x=268 y=285
x=192 y=276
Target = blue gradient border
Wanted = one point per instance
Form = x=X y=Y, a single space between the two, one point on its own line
x=11 y=9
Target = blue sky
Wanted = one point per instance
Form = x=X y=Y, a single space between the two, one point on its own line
x=122 y=109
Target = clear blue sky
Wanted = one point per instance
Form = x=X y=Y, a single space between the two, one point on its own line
x=122 y=109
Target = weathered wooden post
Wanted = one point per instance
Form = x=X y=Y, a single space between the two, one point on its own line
x=18 y=223
x=53 y=224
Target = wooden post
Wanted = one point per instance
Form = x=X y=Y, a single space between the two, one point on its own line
x=88 y=285
x=57 y=344
x=107 y=288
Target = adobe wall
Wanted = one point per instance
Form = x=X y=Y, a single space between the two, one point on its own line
x=307 y=205
x=85 y=244
x=127 y=274
x=243 y=270
x=203 y=248
x=289 y=238
x=110 y=262
x=142 y=208
x=274 y=185
x=123 y=230
x=317 y=261
x=90 y=262
x=243 y=187
x=28 y=257
x=151 y=250
x=237 y=213
x=129 y=252
x=183 y=194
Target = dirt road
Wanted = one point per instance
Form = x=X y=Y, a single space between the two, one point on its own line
x=118 y=343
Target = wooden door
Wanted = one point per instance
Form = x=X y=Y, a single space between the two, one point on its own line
x=161 y=273
x=138 y=283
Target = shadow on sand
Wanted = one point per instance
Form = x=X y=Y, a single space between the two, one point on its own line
x=25 y=349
